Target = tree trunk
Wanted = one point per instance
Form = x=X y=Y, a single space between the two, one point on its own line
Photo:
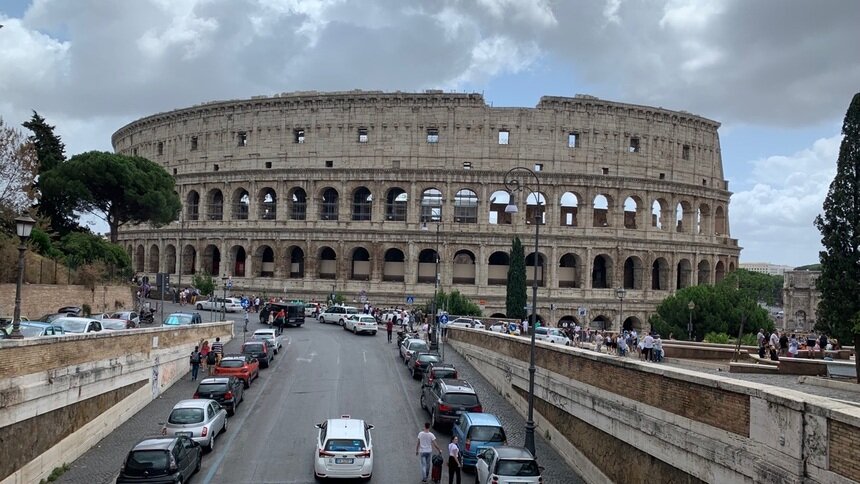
x=856 y=356
x=114 y=231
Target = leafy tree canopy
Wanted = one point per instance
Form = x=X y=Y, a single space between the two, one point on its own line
x=456 y=303
x=117 y=188
x=809 y=267
x=17 y=172
x=86 y=248
x=515 y=299
x=204 y=282
x=759 y=287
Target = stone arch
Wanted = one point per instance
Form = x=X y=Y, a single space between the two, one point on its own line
x=632 y=208
x=154 y=259
x=466 y=206
x=703 y=219
x=139 y=259
x=298 y=201
x=240 y=260
x=601 y=205
x=536 y=208
x=396 y=205
x=570 y=270
x=569 y=319
x=296 y=260
x=731 y=267
x=631 y=323
x=499 y=200
x=658 y=213
x=720 y=227
x=683 y=217
x=360 y=264
x=704 y=272
x=660 y=274
x=530 y=269
x=498 y=315
x=601 y=322
x=394 y=265
x=170 y=259
x=327 y=258
x=329 y=201
x=212 y=260
x=569 y=203
x=192 y=205
x=265 y=257
x=362 y=204
x=428 y=260
x=215 y=205
x=497 y=268
x=601 y=272
x=267 y=201
x=464 y=266
x=431 y=205
x=189 y=259
x=241 y=204
x=633 y=269
x=719 y=272
x=685 y=274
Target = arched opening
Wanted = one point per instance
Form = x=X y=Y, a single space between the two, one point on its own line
x=601 y=272
x=464 y=267
x=431 y=205
x=139 y=259
x=703 y=219
x=394 y=267
x=497 y=268
x=601 y=322
x=212 y=260
x=466 y=207
x=237 y=252
x=241 y=204
x=268 y=204
x=685 y=274
x=192 y=205
x=498 y=201
x=531 y=262
x=154 y=259
x=567 y=321
x=660 y=274
x=360 y=270
x=731 y=267
x=266 y=257
x=215 y=205
x=362 y=204
x=536 y=208
x=498 y=315
x=704 y=273
x=601 y=211
x=296 y=258
x=720 y=221
x=569 y=271
x=631 y=212
x=633 y=273
x=427 y=266
x=658 y=213
x=719 y=272
x=298 y=204
x=396 y=205
x=189 y=259
x=631 y=323
x=329 y=204
x=327 y=263
x=569 y=209
x=683 y=217
x=170 y=259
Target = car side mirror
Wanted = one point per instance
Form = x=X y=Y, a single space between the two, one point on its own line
x=370 y=427
x=317 y=426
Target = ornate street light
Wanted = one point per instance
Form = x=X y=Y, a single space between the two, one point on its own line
x=691 y=306
x=24 y=226
x=516 y=180
x=620 y=293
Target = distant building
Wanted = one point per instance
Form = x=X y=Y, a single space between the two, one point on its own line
x=801 y=298
x=765 y=268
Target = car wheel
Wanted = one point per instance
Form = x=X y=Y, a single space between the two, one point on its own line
x=354 y=331
x=433 y=419
x=322 y=320
x=199 y=307
x=247 y=383
x=423 y=406
x=224 y=428
x=412 y=371
x=373 y=333
x=199 y=463
x=231 y=412
x=211 y=446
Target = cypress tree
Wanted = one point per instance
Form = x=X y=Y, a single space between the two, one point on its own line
x=51 y=152
x=515 y=299
x=840 y=235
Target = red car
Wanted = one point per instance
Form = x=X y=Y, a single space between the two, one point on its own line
x=242 y=367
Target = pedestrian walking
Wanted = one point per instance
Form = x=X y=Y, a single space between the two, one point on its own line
x=424 y=449
x=204 y=353
x=279 y=320
x=454 y=461
x=195 y=359
x=389 y=327
x=218 y=350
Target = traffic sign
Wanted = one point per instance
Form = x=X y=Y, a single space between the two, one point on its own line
x=230 y=283
x=410 y=299
x=582 y=311
x=443 y=319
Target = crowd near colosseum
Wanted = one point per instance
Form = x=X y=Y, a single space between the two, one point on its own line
x=302 y=194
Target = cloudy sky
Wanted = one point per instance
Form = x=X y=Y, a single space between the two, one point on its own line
x=778 y=74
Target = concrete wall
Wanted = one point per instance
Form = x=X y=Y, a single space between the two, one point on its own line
x=622 y=420
x=60 y=396
x=41 y=299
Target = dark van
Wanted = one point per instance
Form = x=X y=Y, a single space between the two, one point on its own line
x=295 y=312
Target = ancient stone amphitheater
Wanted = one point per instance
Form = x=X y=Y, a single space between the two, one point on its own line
x=306 y=193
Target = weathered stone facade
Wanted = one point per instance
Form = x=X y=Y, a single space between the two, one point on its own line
x=800 y=297
x=305 y=193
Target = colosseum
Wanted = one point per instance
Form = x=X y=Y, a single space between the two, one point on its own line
x=305 y=193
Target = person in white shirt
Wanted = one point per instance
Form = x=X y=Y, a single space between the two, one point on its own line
x=454 y=461
x=598 y=343
x=658 y=349
x=424 y=448
x=648 y=347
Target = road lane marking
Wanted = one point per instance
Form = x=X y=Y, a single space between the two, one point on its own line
x=364 y=354
x=309 y=359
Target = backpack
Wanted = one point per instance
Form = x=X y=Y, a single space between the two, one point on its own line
x=195 y=357
x=211 y=358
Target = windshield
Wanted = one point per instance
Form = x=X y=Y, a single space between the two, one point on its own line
x=465 y=399
x=351 y=311
x=417 y=345
x=264 y=334
x=71 y=326
x=141 y=461
x=426 y=358
x=485 y=433
x=31 y=331
x=518 y=468
x=344 y=445
x=368 y=320
x=186 y=416
x=447 y=373
x=177 y=320
x=253 y=348
x=205 y=388
x=232 y=364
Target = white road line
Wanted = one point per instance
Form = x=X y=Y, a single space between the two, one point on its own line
x=364 y=354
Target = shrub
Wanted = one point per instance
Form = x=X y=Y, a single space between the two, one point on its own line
x=719 y=338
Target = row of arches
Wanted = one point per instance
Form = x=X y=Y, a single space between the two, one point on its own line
x=635 y=212
x=570 y=271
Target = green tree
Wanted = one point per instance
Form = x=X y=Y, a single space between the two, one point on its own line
x=515 y=299
x=88 y=248
x=17 y=172
x=204 y=282
x=839 y=225
x=58 y=207
x=456 y=303
x=117 y=188
x=759 y=287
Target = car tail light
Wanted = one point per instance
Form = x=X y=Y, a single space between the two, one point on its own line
x=477 y=409
x=444 y=408
x=323 y=453
x=366 y=453
x=173 y=466
x=204 y=431
x=468 y=444
x=196 y=395
x=495 y=479
x=228 y=395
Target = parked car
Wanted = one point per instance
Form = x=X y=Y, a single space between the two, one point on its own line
x=71 y=310
x=419 y=360
x=506 y=328
x=78 y=325
x=228 y=391
x=466 y=323
x=117 y=324
x=201 y=420
x=242 y=367
x=161 y=460
x=33 y=329
x=294 y=313
x=410 y=346
x=182 y=319
x=445 y=400
x=230 y=304
x=476 y=432
x=312 y=310
x=51 y=317
x=507 y=465
x=337 y=314
x=344 y=449
x=270 y=334
x=552 y=335
x=438 y=370
x=360 y=323
x=259 y=350
x=127 y=315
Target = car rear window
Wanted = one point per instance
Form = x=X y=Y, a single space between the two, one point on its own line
x=418 y=346
x=232 y=363
x=174 y=320
x=518 y=468
x=31 y=331
x=467 y=399
x=423 y=358
x=487 y=433
x=186 y=416
x=140 y=461
x=253 y=348
x=212 y=388
x=344 y=445
x=446 y=373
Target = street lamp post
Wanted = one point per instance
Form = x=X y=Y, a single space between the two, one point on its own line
x=516 y=180
x=23 y=225
x=434 y=330
x=620 y=293
x=691 y=306
x=225 y=279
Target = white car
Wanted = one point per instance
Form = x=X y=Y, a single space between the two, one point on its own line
x=271 y=335
x=73 y=325
x=507 y=465
x=552 y=335
x=411 y=345
x=127 y=315
x=507 y=328
x=344 y=449
x=337 y=314
x=466 y=323
x=360 y=323
x=230 y=304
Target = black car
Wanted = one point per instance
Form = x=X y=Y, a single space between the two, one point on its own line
x=445 y=400
x=166 y=459
x=71 y=310
x=264 y=353
x=439 y=371
x=419 y=361
x=294 y=312
x=229 y=391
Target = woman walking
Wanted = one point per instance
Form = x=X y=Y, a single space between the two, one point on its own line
x=204 y=352
x=454 y=462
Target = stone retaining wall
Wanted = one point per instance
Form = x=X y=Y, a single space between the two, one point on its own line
x=41 y=299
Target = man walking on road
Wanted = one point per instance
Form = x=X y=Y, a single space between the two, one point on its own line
x=389 y=327
x=218 y=349
x=196 y=357
x=424 y=448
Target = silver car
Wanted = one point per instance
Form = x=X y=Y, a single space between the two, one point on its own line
x=271 y=335
x=200 y=419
